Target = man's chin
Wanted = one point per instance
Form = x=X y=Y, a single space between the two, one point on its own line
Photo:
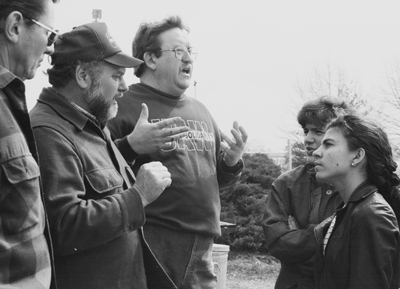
x=30 y=75
x=112 y=112
x=310 y=159
x=184 y=85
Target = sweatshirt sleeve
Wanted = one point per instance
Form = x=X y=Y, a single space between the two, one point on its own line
x=82 y=217
x=228 y=176
x=126 y=150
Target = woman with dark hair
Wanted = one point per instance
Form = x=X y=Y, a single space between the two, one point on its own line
x=297 y=202
x=358 y=247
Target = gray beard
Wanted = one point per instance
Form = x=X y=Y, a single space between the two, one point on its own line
x=98 y=105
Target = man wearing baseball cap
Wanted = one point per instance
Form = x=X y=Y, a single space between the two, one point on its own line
x=95 y=204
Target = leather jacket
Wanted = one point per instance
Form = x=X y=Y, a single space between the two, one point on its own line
x=363 y=249
x=296 y=193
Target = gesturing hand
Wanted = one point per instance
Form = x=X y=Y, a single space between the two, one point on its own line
x=234 y=148
x=150 y=137
x=151 y=181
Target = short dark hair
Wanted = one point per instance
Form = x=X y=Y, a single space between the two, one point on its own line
x=381 y=167
x=322 y=110
x=32 y=9
x=146 y=38
x=61 y=75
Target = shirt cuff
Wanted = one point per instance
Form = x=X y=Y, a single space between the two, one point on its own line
x=126 y=150
x=233 y=169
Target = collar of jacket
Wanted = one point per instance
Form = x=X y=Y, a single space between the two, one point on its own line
x=6 y=77
x=9 y=81
x=361 y=192
x=65 y=109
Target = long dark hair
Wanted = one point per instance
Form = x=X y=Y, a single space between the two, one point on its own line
x=381 y=167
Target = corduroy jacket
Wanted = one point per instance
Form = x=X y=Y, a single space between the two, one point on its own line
x=95 y=213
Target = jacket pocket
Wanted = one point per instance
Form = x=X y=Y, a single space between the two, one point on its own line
x=21 y=169
x=104 y=180
x=21 y=210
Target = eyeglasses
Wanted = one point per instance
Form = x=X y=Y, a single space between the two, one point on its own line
x=52 y=34
x=182 y=52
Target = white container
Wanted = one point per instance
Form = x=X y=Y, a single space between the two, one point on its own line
x=220 y=259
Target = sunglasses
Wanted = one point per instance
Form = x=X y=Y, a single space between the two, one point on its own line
x=52 y=34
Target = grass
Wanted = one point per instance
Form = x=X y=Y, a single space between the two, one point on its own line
x=249 y=270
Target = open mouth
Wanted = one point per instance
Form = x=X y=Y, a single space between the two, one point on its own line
x=186 y=70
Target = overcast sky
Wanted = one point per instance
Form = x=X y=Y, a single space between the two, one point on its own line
x=253 y=53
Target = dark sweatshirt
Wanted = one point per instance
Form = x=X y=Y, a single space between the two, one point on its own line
x=191 y=203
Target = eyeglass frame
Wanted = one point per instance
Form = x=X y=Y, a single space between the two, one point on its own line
x=52 y=37
x=187 y=52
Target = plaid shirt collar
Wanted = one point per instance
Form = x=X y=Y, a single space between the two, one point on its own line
x=6 y=77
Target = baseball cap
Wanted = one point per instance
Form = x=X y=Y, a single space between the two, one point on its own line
x=90 y=42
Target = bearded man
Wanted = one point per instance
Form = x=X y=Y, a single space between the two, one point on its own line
x=94 y=203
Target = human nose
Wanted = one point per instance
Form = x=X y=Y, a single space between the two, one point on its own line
x=309 y=138
x=317 y=153
x=49 y=50
x=188 y=58
x=122 y=86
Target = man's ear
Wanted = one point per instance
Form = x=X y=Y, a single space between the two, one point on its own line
x=148 y=59
x=12 y=26
x=82 y=77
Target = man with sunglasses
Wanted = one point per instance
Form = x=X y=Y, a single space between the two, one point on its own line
x=182 y=223
x=25 y=31
x=52 y=34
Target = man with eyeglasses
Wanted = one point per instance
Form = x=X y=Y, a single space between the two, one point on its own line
x=182 y=223
x=25 y=260
x=52 y=34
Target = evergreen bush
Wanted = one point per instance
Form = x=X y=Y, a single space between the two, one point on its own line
x=243 y=204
